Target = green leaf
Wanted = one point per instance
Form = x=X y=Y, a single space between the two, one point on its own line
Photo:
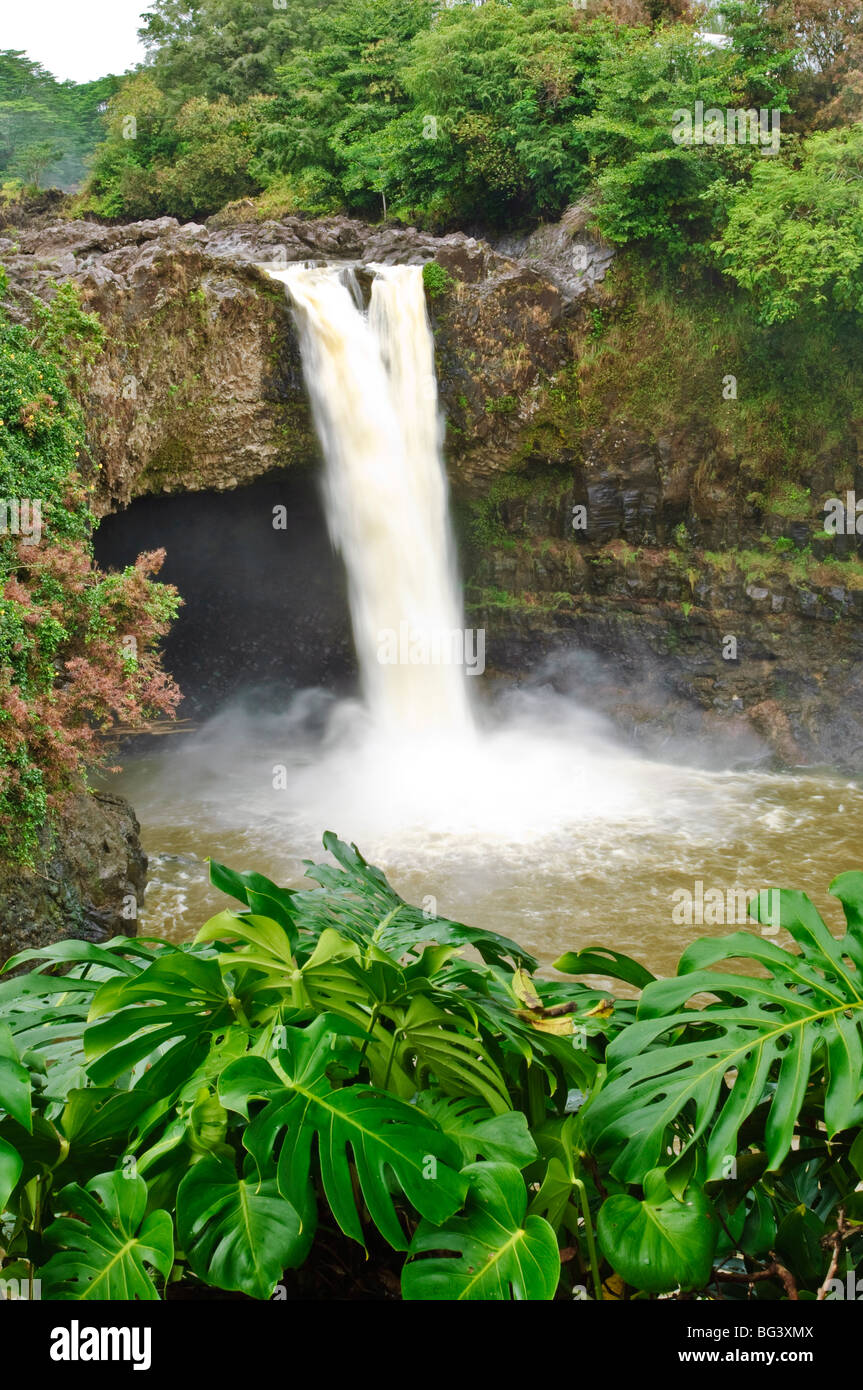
x=14 y=1081
x=260 y=894
x=660 y=1243
x=382 y=1138
x=479 y=1132
x=557 y=1189
x=178 y=997
x=601 y=960
x=358 y=901
x=208 y=1124
x=798 y=1242
x=758 y=1237
x=81 y=952
x=11 y=1167
x=107 y=1244
x=496 y=1251
x=240 y=1233
x=97 y=1121
x=771 y=1034
x=268 y=946
x=453 y=1051
x=96 y=1114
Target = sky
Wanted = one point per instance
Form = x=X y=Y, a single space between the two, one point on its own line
x=78 y=39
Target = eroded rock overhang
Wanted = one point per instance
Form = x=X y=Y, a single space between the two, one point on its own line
x=199 y=385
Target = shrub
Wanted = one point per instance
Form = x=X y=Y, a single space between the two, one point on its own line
x=330 y=1054
x=794 y=236
x=78 y=648
x=437 y=280
x=156 y=160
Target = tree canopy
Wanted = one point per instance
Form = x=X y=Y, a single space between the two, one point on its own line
x=487 y=115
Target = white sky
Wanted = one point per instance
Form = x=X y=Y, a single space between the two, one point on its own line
x=78 y=39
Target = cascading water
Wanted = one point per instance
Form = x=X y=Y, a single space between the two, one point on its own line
x=374 y=399
x=531 y=823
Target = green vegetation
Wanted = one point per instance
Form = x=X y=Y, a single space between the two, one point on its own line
x=794 y=238
x=437 y=280
x=675 y=345
x=153 y=161
x=330 y=1057
x=505 y=113
x=78 y=648
x=501 y=405
x=332 y=1061
x=47 y=128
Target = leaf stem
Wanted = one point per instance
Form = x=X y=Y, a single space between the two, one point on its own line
x=588 y=1232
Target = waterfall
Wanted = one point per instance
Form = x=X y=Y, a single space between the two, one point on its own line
x=372 y=386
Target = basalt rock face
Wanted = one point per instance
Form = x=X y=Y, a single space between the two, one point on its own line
x=86 y=883
x=770 y=664
x=199 y=386
x=644 y=583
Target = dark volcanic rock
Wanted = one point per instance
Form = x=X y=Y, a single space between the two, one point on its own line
x=87 y=881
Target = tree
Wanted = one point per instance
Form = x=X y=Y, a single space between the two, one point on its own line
x=38 y=113
x=232 y=48
x=653 y=191
x=31 y=161
x=827 y=39
x=794 y=236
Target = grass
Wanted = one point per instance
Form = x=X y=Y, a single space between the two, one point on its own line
x=797 y=567
x=664 y=353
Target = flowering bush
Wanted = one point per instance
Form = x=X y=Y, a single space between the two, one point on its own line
x=78 y=647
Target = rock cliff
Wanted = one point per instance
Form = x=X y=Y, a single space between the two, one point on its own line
x=582 y=528
x=87 y=881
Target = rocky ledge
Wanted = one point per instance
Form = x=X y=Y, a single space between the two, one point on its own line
x=199 y=385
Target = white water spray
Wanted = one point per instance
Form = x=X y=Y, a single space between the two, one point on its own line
x=374 y=400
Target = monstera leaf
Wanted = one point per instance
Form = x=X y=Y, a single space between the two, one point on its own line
x=767 y=1036
x=601 y=960
x=50 y=1011
x=179 y=997
x=358 y=901
x=11 y=1166
x=478 y=1131
x=240 y=1233
x=661 y=1243
x=15 y=1101
x=383 y=1139
x=107 y=1244
x=453 y=1051
x=14 y=1081
x=498 y=1253
x=263 y=897
x=259 y=963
